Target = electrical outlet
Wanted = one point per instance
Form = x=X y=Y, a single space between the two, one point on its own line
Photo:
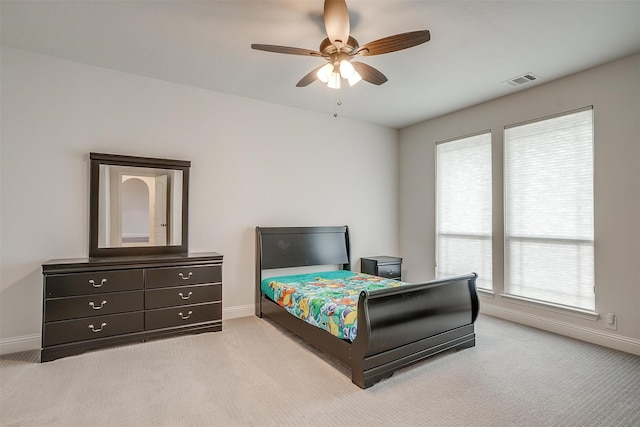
x=611 y=321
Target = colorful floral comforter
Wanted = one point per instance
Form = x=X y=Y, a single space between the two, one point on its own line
x=327 y=300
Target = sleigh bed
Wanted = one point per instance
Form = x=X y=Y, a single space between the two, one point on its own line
x=396 y=326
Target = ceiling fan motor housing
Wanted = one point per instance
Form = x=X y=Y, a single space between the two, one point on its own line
x=350 y=48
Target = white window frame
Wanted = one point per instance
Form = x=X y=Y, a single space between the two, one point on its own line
x=582 y=242
x=470 y=232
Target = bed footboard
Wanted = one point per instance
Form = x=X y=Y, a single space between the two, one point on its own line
x=400 y=326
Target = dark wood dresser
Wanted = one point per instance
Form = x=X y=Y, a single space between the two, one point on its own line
x=92 y=303
x=389 y=267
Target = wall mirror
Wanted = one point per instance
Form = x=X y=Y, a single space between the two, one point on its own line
x=138 y=205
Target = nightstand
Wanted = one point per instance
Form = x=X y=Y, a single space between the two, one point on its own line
x=384 y=266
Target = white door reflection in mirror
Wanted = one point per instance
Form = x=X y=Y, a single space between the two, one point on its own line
x=159 y=225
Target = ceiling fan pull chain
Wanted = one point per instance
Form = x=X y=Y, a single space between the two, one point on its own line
x=338 y=103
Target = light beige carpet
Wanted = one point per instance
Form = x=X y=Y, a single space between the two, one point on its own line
x=254 y=374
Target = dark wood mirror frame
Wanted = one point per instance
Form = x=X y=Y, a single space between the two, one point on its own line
x=98 y=159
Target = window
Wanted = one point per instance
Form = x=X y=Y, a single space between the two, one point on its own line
x=463 y=199
x=548 y=175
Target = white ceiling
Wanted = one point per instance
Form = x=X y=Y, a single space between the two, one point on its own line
x=474 y=47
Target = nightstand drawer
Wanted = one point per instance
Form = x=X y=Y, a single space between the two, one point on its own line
x=391 y=271
x=64 y=285
x=92 y=305
x=181 y=276
x=383 y=266
x=182 y=295
x=182 y=316
x=90 y=328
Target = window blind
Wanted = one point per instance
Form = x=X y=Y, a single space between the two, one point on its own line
x=463 y=208
x=548 y=176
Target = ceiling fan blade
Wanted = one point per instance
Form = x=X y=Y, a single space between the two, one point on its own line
x=311 y=77
x=336 y=22
x=285 y=49
x=394 y=43
x=368 y=73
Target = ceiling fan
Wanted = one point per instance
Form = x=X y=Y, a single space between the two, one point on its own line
x=340 y=48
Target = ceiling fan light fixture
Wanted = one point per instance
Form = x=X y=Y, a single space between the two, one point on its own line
x=334 y=81
x=355 y=78
x=324 y=73
x=346 y=69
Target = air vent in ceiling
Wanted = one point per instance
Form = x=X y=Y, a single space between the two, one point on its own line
x=520 y=80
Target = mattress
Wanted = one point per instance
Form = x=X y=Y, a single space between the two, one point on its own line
x=328 y=300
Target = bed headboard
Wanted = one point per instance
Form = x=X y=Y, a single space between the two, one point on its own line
x=281 y=247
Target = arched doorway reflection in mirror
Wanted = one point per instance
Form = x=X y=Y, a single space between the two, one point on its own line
x=143 y=210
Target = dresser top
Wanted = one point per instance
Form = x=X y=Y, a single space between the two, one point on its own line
x=82 y=264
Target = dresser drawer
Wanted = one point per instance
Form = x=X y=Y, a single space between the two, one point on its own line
x=64 y=285
x=180 y=276
x=182 y=295
x=67 y=331
x=182 y=316
x=390 y=271
x=92 y=305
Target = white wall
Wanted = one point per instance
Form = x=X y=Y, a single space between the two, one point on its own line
x=614 y=92
x=253 y=163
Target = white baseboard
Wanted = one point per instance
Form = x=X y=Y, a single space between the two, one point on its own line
x=238 y=311
x=32 y=342
x=16 y=344
x=606 y=339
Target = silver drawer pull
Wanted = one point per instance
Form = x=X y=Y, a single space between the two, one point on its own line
x=93 y=283
x=99 y=307
x=187 y=297
x=187 y=316
x=93 y=328
x=185 y=278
